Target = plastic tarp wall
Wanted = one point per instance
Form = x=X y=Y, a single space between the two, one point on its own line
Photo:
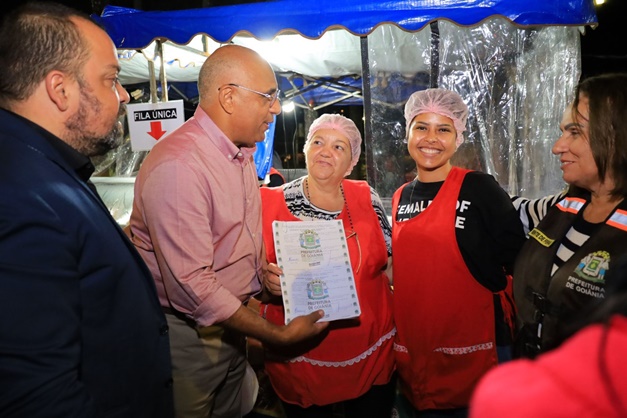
x=516 y=83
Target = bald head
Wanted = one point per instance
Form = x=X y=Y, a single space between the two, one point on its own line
x=236 y=86
x=228 y=64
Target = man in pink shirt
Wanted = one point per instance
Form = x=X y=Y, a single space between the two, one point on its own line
x=196 y=221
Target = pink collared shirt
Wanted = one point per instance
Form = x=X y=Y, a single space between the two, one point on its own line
x=196 y=221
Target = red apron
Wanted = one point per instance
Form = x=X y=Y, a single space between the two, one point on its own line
x=355 y=354
x=445 y=319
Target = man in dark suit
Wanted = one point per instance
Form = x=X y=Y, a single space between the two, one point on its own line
x=81 y=330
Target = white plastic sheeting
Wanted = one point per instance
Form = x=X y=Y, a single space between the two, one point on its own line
x=335 y=54
x=516 y=83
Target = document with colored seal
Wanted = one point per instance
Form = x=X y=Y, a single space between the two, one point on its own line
x=317 y=272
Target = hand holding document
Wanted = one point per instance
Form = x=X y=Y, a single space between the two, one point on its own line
x=317 y=272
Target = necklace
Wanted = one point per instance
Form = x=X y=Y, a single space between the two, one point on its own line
x=352 y=233
x=348 y=212
x=306 y=184
x=411 y=195
x=350 y=219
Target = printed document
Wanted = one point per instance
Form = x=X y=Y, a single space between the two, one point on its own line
x=317 y=272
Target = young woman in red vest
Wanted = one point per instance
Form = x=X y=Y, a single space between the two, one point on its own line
x=349 y=369
x=455 y=238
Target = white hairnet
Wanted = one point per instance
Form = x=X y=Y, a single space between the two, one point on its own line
x=343 y=125
x=442 y=102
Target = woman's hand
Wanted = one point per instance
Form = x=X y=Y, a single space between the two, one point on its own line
x=272 y=279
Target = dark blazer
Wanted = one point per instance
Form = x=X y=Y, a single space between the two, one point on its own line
x=81 y=330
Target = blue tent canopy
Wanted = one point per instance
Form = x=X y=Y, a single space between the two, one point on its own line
x=480 y=80
x=132 y=29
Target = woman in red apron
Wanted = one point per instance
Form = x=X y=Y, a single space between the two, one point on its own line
x=455 y=238
x=349 y=368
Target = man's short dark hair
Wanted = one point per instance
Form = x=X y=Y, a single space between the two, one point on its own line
x=37 y=38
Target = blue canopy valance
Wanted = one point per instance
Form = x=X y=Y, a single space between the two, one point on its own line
x=132 y=29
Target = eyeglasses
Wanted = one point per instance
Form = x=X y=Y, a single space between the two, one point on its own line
x=272 y=98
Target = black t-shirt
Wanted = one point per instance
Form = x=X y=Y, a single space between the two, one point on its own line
x=488 y=228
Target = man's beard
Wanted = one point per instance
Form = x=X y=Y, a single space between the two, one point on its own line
x=82 y=138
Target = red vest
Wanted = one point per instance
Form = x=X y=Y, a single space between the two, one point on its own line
x=356 y=353
x=444 y=317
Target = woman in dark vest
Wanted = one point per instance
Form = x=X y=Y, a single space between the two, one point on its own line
x=351 y=367
x=562 y=267
x=455 y=238
x=586 y=376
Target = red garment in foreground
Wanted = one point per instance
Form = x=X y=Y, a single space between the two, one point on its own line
x=566 y=382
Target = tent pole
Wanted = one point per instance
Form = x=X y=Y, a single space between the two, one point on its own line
x=435 y=54
x=365 y=89
x=162 y=76
x=153 y=82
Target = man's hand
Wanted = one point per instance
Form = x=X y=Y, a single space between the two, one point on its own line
x=301 y=328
